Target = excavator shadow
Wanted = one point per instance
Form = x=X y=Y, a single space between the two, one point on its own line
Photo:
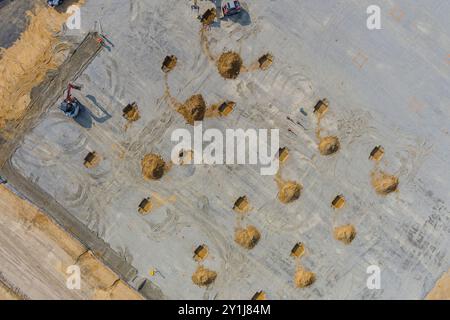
x=86 y=117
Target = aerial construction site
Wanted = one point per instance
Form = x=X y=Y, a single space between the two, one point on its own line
x=92 y=180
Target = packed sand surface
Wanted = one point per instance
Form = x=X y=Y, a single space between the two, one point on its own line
x=35 y=249
x=25 y=64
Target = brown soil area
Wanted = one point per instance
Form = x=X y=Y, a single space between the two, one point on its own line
x=345 y=233
x=203 y=276
x=131 y=112
x=153 y=167
x=248 y=237
x=25 y=64
x=229 y=65
x=304 y=278
x=384 y=183
x=265 y=61
x=193 y=109
x=289 y=191
x=169 y=63
x=442 y=289
x=329 y=145
x=92 y=160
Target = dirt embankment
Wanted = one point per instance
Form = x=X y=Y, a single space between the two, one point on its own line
x=25 y=64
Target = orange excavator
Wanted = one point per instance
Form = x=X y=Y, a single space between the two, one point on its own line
x=71 y=106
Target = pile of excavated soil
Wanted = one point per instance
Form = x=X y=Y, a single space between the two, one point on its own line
x=92 y=160
x=265 y=61
x=248 y=237
x=345 y=233
x=153 y=167
x=169 y=63
x=303 y=277
x=131 y=112
x=384 y=183
x=329 y=145
x=208 y=17
x=289 y=191
x=193 y=109
x=203 y=276
x=25 y=64
x=229 y=65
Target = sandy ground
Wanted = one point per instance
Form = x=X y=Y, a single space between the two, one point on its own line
x=386 y=87
x=36 y=253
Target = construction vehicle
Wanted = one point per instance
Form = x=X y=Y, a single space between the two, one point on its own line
x=231 y=8
x=71 y=106
x=54 y=3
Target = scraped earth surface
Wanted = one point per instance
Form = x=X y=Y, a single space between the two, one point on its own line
x=322 y=49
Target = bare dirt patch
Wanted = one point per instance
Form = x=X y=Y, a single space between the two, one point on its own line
x=247 y=237
x=229 y=65
x=303 y=277
x=345 y=233
x=384 y=183
x=153 y=167
x=203 y=276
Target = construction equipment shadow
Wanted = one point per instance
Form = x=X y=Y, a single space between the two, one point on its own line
x=86 y=117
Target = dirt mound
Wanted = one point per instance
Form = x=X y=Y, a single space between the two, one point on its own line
x=229 y=65
x=248 y=237
x=265 y=61
x=193 y=109
x=345 y=233
x=304 y=278
x=289 y=191
x=92 y=160
x=153 y=167
x=203 y=277
x=329 y=145
x=169 y=63
x=208 y=17
x=384 y=183
x=131 y=112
